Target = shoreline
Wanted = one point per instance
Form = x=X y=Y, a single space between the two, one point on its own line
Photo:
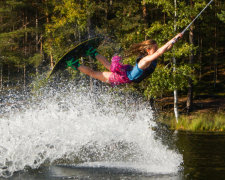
x=208 y=114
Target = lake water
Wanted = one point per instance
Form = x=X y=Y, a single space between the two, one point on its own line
x=72 y=133
x=203 y=155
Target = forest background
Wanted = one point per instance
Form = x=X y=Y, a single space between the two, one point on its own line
x=34 y=34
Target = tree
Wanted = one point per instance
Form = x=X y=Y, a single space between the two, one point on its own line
x=221 y=16
x=175 y=92
x=19 y=34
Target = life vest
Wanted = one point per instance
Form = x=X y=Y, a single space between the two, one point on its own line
x=146 y=72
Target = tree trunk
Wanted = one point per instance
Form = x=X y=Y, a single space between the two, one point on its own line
x=25 y=27
x=8 y=76
x=51 y=61
x=36 y=38
x=46 y=11
x=41 y=45
x=190 y=82
x=24 y=76
x=200 y=59
x=18 y=71
x=41 y=48
x=175 y=92
x=79 y=35
x=47 y=21
x=1 y=77
x=90 y=60
x=215 y=50
x=1 y=66
x=25 y=50
x=146 y=17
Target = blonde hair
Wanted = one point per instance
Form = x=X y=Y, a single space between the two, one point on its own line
x=141 y=48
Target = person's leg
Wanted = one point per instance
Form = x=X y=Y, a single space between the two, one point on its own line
x=102 y=76
x=104 y=61
x=95 y=55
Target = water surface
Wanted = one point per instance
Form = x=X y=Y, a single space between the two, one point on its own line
x=203 y=155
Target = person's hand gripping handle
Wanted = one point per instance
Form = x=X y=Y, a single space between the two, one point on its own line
x=178 y=36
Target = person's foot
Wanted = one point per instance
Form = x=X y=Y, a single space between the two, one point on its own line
x=73 y=63
x=91 y=52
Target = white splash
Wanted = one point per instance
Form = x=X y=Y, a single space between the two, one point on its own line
x=72 y=125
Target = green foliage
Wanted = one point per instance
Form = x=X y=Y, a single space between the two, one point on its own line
x=36 y=60
x=165 y=80
x=221 y=16
x=202 y=122
x=69 y=19
x=198 y=122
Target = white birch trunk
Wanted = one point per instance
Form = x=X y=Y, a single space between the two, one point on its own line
x=36 y=38
x=174 y=68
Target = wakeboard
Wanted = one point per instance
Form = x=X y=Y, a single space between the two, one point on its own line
x=76 y=52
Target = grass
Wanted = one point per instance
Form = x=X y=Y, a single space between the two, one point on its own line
x=210 y=122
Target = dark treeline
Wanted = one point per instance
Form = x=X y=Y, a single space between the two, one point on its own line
x=35 y=33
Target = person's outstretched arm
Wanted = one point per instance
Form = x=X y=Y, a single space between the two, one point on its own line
x=146 y=61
